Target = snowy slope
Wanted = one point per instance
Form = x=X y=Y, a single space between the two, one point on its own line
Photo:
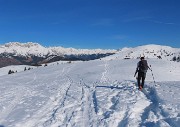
x=99 y=93
x=149 y=51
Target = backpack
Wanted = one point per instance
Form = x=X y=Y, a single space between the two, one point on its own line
x=143 y=66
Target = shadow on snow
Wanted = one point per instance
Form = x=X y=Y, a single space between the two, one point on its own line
x=111 y=87
x=155 y=108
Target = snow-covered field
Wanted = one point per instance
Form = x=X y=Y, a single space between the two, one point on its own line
x=99 y=93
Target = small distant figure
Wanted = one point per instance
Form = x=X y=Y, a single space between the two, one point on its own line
x=10 y=72
x=142 y=67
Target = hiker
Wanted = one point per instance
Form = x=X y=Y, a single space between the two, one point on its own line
x=142 y=68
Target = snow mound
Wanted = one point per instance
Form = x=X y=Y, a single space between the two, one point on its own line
x=148 y=51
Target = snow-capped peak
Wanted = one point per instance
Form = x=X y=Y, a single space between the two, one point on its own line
x=18 y=44
x=37 y=49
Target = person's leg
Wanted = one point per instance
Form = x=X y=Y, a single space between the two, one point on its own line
x=143 y=79
x=139 y=79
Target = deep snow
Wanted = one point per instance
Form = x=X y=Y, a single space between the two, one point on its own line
x=99 y=93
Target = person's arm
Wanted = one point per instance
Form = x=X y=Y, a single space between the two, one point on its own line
x=136 y=72
x=136 y=69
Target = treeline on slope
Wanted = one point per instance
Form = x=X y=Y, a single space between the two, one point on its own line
x=176 y=58
x=7 y=59
x=29 y=68
x=12 y=71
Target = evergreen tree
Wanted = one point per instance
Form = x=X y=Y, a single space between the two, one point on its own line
x=174 y=58
x=9 y=72
x=178 y=58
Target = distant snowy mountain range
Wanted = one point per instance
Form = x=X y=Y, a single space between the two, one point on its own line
x=31 y=48
x=15 y=53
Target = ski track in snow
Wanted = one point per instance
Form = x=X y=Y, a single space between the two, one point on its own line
x=104 y=77
x=80 y=103
x=52 y=103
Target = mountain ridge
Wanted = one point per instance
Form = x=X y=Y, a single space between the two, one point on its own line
x=56 y=50
x=16 y=53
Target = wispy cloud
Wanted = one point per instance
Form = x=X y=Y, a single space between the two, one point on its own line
x=134 y=19
x=104 y=22
x=147 y=19
x=160 y=22
x=119 y=37
x=170 y=23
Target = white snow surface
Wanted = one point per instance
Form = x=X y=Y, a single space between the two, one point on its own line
x=99 y=93
x=148 y=51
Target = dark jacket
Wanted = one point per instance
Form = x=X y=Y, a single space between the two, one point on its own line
x=142 y=66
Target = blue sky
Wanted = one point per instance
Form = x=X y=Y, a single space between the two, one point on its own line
x=106 y=24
